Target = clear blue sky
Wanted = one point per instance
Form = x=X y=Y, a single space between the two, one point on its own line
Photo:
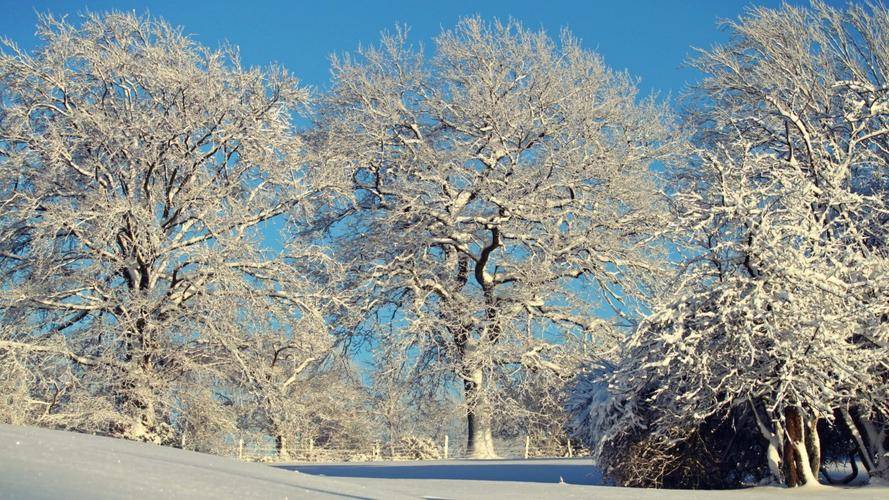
x=649 y=38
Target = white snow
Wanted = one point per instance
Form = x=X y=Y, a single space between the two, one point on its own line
x=40 y=463
x=67 y=465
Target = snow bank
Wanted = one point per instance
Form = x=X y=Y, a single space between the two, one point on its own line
x=40 y=463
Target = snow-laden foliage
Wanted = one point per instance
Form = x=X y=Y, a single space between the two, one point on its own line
x=140 y=174
x=496 y=204
x=780 y=309
x=591 y=407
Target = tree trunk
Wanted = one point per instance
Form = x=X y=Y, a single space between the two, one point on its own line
x=863 y=448
x=136 y=399
x=872 y=439
x=797 y=462
x=281 y=446
x=878 y=440
x=144 y=425
x=479 y=431
x=774 y=434
x=813 y=445
x=279 y=430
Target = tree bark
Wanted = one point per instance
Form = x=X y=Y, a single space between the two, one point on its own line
x=281 y=446
x=863 y=449
x=878 y=439
x=813 y=445
x=797 y=462
x=775 y=438
x=136 y=399
x=877 y=446
x=872 y=439
x=479 y=429
x=144 y=425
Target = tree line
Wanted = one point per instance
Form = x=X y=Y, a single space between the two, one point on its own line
x=502 y=229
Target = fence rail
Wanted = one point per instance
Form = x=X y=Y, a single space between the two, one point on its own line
x=425 y=449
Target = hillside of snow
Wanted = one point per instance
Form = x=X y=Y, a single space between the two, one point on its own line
x=40 y=463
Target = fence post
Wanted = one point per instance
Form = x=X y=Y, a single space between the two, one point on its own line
x=240 y=448
x=527 y=446
x=446 y=447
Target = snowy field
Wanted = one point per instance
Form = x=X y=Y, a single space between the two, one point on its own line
x=39 y=463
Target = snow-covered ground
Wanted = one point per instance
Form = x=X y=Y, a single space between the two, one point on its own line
x=39 y=463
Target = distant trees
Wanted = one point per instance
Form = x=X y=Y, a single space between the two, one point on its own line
x=778 y=318
x=494 y=201
x=139 y=174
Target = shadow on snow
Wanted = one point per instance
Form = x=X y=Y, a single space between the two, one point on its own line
x=534 y=471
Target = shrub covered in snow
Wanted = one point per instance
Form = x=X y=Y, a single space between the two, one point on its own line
x=418 y=448
x=778 y=316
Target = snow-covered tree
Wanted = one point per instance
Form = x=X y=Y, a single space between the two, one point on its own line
x=141 y=176
x=779 y=312
x=496 y=201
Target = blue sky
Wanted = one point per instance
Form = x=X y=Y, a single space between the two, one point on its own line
x=649 y=38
